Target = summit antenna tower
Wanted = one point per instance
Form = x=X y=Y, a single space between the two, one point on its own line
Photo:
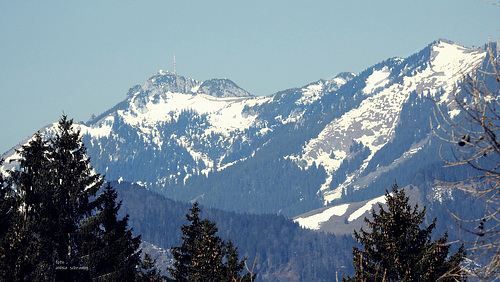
x=175 y=71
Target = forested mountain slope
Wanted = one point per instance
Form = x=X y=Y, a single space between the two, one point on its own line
x=281 y=249
x=333 y=141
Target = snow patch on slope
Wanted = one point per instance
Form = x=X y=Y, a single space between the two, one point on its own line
x=102 y=129
x=374 y=121
x=377 y=79
x=231 y=116
x=224 y=114
x=366 y=208
x=362 y=124
x=310 y=94
x=315 y=91
x=314 y=221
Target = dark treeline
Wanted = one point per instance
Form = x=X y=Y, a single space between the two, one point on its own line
x=280 y=247
x=59 y=221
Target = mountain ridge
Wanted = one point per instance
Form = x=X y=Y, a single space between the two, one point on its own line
x=325 y=143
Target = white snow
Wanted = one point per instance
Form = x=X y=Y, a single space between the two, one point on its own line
x=314 y=221
x=195 y=89
x=310 y=94
x=441 y=192
x=366 y=208
x=454 y=112
x=102 y=129
x=374 y=121
x=377 y=79
x=339 y=81
x=230 y=118
x=182 y=140
x=372 y=124
x=455 y=60
x=224 y=114
x=314 y=92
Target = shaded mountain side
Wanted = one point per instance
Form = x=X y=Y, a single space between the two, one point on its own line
x=329 y=142
x=272 y=185
x=282 y=250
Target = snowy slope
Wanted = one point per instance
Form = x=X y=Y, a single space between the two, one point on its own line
x=293 y=151
x=373 y=122
x=345 y=218
x=163 y=99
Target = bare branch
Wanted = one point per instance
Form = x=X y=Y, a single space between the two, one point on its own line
x=474 y=135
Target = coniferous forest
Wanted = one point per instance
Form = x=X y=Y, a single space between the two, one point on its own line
x=62 y=222
x=59 y=221
x=277 y=246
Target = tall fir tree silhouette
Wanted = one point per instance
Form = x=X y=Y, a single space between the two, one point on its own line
x=203 y=256
x=396 y=248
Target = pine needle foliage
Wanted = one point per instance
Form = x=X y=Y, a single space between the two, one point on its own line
x=56 y=221
x=7 y=217
x=203 y=256
x=148 y=271
x=109 y=246
x=397 y=248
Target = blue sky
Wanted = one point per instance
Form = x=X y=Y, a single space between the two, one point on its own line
x=81 y=57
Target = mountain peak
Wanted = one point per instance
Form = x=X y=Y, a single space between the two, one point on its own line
x=443 y=43
x=443 y=40
x=222 y=88
x=313 y=145
x=341 y=79
x=172 y=82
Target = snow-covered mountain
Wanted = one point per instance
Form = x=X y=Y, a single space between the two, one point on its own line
x=373 y=123
x=340 y=140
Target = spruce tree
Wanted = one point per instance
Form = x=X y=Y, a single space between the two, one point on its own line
x=148 y=271
x=203 y=256
x=75 y=183
x=58 y=227
x=200 y=256
x=8 y=215
x=233 y=266
x=5 y=223
x=110 y=248
x=397 y=249
x=32 y=246
x=54 y=186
